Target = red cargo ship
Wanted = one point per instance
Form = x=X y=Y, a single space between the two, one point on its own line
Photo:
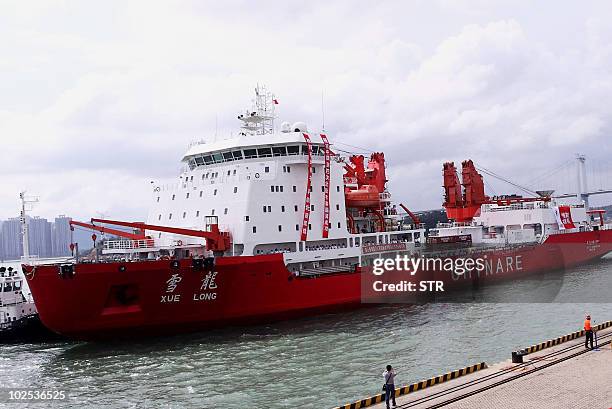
x=275 y=225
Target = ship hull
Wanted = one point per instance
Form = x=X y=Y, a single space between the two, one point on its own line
x=145 y=298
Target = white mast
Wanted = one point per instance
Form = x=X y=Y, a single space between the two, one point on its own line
x=25 y=201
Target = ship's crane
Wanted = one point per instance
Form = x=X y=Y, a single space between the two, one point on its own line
x=101 y=229
x=216 y=240
x=414 y=217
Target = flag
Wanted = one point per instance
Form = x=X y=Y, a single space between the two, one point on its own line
x=275 y=101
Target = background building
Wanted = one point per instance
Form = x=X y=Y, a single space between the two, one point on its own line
x=46 y=239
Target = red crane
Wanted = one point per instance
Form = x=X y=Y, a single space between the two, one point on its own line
x=413 y=216
x=215 y=240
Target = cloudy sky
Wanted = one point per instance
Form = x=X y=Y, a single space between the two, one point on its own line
x=99 y=98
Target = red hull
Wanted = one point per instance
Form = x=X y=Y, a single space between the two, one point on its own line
x=101 y=301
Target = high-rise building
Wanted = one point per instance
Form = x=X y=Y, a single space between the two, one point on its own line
x=12 y=248
x=40 y=237
x=62 y=236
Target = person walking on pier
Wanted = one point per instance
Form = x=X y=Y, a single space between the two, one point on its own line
x=389 y=385
x=588 y=332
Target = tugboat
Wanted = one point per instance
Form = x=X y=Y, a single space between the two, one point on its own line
x=18 y=316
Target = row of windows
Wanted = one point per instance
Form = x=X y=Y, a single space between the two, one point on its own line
x=268 y=209
x=188 y=194
x=239 y=154
x=297 y=227
x=197 y=214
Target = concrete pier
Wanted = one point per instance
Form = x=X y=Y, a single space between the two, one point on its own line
x=564 y=375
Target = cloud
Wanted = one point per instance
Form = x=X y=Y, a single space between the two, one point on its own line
x=95 y=101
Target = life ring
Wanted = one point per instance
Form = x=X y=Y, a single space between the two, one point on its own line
x=179 y=243
x=257 y=176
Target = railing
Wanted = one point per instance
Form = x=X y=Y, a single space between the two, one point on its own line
x=128 y=244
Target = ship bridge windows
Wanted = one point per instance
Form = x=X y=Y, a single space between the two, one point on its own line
x=264 y=152
x=293 y=150
x=279 y=151
x=250 y=153
x=199 y=160
x=228 y=156
x=217 y=157
x=237 y=155
x=208 y=159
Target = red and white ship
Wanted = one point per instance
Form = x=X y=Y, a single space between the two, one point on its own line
x=273 y=225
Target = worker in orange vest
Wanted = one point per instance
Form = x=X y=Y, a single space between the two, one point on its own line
x=588 y=332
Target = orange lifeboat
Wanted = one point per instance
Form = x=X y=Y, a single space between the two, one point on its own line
x=365 y=196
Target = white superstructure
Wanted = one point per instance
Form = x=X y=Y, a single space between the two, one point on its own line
x=255 y=186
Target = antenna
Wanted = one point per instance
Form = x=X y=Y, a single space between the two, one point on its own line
x=27 y=203
x=322 y=112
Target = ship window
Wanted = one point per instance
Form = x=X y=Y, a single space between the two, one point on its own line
x=201 y=193
x=212 y=212
x=228 y=156
x=297 y=227
x=197 y=213
x=294 y=189
x=246 y=218
x=304 y=149
x=250 y=153
x=159 y=217
x=237 y=154
x=288 y=169
x=199 y=160
x=315 y=150
x=208 y=159
x=235 y=189
x=170 y=216
x=234 y=171
x=283 y=209
x=293 y=150
x=357 y=241
x=322 y=188
x=173 y=196
x=267 y=169
x=217 y=157
x=337 y=188
x=225 y=211
x=310 y=188
x=312 y=208
x=296 y=208
x=187 y=195
x=351 y=242
x=272 y=188
x=281 y=189
x=215 y=192
x=417 y=235
x=309 y=226
x=339 y=225
x=184 y=214
x=254 y=229
x=229 y=172
x=280 y=227
x=314 y=170
x=264 y=152
x=265 y=209
x=17 y=285
x=269 y=209
x=279 y=151
x=337 y=207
